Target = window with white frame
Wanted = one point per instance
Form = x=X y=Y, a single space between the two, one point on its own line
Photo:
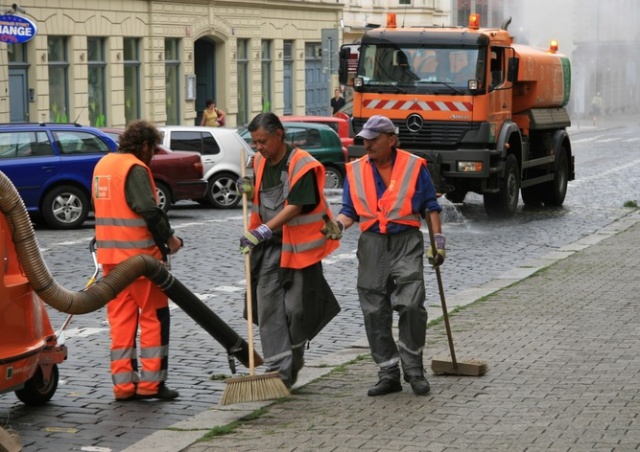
x=172 y=79
x=97 y=67
x=266 y=75
x=243 y=81
x=131 y=61
x=58 y=78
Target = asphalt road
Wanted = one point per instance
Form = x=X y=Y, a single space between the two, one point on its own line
x=83 y=415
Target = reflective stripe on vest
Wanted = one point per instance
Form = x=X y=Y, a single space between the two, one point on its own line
x=302 y=242
x=120 y=232
x=395 y=203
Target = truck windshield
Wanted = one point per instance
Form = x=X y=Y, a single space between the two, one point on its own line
x=420 y=69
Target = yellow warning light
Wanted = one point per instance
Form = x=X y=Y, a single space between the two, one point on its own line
x=391 y=20
x=474 y=21
x=553 y=46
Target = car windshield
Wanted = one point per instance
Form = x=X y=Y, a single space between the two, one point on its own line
x=411 y=69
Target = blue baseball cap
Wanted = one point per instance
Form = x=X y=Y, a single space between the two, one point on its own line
x=375 y=126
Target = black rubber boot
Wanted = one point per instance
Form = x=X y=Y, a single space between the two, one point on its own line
x=385 y=386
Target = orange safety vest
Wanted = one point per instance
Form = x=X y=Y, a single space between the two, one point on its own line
x=395 y=203
x=302 y=242
x=120 y=232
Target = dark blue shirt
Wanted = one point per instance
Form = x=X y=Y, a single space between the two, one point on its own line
x=424 y=198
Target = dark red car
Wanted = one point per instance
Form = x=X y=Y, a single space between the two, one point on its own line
x=338 y=123
x=177 y=174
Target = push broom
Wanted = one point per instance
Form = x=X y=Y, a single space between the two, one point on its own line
x=251 y=388
x=471 y=368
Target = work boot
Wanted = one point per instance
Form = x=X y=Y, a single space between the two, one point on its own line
x=385 y=386
x=419 y=384
x=297 y=367
x=163 y=393
x=127 y=398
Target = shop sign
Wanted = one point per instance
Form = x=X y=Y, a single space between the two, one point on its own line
x=16 y=29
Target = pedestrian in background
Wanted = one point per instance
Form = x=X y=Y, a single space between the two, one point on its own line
x=287 y=246
x=129 y=222
x=212 y=116
x=596 y=108
x=337 y=101
x=388 y=191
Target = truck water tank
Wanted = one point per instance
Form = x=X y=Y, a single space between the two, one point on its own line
x=544 y=79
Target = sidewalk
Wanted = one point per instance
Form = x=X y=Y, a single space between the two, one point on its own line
x=562 y=348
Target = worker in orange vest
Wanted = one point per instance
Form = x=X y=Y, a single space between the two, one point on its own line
x=388 y=191
x=129 y=222
x=287 y=246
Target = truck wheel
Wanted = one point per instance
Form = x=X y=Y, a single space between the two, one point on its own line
x=505 y=202
x=334 y=177
x=164 y=196
x=65 y=207
x=35 y=392
x=554 y=192
x=222 y=191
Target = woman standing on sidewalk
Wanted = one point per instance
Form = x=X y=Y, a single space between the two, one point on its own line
x=212 y=116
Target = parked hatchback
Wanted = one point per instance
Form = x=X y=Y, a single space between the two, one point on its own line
x=178 y=175
x=319 y=140
x=51 y=166
x=221 y=150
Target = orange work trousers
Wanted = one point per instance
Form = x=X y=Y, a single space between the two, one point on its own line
x=140 y=303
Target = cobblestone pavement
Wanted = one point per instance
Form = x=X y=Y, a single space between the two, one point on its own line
x=564 y=375
x=83 y=415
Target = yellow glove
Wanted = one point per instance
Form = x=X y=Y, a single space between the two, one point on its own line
x=441 y=254
x=245 y=186
x=332 y=229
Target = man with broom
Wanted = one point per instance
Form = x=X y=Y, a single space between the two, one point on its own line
x=294 y=301
x=388 y=191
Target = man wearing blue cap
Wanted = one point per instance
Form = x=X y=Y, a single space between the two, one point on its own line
x=389 y=191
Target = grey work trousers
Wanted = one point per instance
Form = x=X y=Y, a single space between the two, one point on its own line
x=280 y=314
x=391 y=277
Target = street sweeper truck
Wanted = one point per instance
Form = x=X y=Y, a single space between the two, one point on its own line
x=489 y=115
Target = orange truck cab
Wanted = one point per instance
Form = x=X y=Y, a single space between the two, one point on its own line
x=487 y=114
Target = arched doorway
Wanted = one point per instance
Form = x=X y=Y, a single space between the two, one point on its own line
x=205 y=70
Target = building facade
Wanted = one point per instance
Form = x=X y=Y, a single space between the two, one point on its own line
x=107 y=62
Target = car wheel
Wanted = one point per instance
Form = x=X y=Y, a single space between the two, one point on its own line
x=65 y=207
x=334 y=178
x=164 y=196
x=35 y=391
x=222 y=191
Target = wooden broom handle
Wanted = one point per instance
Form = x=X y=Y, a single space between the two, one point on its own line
x=247 y=269
x=445 y=314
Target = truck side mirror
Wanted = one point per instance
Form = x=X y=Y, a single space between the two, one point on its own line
x=512 y=71
x=343 y=66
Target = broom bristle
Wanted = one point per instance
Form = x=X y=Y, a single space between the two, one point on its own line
x=471 y=368
x=254 y=388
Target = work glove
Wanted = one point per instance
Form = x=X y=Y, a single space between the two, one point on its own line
x=245 y=186
x=332 y=229
x=438 y=259
x=253 y=237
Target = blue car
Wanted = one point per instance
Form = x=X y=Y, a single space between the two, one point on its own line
x=51 y=165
